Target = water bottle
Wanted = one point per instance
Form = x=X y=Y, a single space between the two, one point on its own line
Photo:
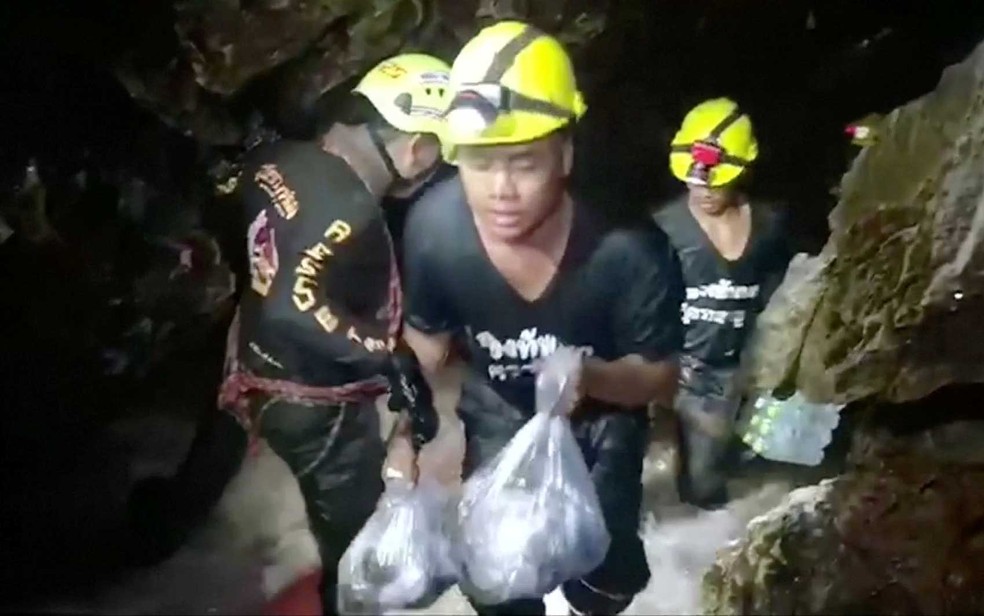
x=784 y=435
x=832 y=416
x=783 y=438
x=808 y=446
x=793 y=430
x=757 y=433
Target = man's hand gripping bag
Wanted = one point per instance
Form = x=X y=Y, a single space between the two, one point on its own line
x=402 y=557
x=530 y=519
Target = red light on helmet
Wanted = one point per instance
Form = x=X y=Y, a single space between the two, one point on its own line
x=706 y=154
x=858 y=131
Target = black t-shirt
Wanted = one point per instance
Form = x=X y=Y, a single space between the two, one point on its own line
x=314 y=309
x=617 y=292
x=723 y=298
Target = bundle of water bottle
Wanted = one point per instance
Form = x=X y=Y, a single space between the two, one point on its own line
x=792 y=430
x=525 y=522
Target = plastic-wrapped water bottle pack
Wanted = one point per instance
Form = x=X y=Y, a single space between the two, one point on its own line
x=793 y=430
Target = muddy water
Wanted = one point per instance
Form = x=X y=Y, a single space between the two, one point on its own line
x=257 y=540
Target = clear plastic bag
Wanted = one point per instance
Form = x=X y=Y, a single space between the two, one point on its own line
x=402 y=557
x=530 y=519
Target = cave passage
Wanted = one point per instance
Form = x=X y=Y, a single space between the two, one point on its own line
x=801 y=69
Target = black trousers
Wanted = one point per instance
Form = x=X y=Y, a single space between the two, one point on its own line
x=614 y=446
x=336 y=453
x=707 y=448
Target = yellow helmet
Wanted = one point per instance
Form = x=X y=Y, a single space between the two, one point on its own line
x=714 y=145
x=410 y=91
x=511 y=83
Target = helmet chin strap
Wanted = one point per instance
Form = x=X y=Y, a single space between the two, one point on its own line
x=384 y=154
x=399 y=181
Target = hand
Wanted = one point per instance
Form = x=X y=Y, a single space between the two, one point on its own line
x=401 y=455
x=410 y=392
x=572 y=394
x=582 y=378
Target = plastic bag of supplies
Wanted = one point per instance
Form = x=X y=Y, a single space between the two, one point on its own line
x=530 y=519
x=402 y=557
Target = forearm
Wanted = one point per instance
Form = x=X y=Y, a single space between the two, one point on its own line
x=631 y=381
x=439 y=364
x=433 y=351
x=417 y=374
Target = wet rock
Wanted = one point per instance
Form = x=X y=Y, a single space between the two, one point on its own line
x=227 y=44
x=884 y=313
x=887 y=307
x=761 y=575
x=681 y=547
x=901 y=533
x=307 y=48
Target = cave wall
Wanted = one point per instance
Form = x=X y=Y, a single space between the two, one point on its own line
x=889 y=308
x=802 y=69
x=901 y=532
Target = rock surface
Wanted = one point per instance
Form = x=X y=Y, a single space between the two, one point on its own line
x=901 y=533
x=887 y=308
x=884 y=313
x=307 y=47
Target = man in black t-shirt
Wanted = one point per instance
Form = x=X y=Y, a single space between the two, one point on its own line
x=315 y=340
x=733 y=254
x=503 y=260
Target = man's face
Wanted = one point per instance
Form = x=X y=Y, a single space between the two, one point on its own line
x=712 y=201
x=512 y=188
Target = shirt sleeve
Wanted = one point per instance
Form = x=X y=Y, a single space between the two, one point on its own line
x=426 y=299
x=329 y=218
x=647 y=311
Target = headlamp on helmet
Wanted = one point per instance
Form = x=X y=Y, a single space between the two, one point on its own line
x=477 y=107
x=714 y=146
x=706 y=155
x=511 y=84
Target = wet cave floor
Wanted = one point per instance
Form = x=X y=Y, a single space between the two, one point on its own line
x=256 y=543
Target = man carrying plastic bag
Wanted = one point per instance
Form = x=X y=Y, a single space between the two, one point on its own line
x=530 y=519
x=505 y=260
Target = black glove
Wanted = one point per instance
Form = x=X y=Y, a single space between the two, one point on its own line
x=410 y=391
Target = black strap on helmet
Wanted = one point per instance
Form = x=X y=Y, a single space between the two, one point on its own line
x=404 y=102
x=399 y=180
x=377 y=141
x=505 y=57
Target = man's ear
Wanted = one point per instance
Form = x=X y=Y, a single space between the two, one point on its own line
x=425 y=150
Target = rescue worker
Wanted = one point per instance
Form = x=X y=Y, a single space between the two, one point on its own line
x=733 y=254
x=505 y=261
x=314 y=342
